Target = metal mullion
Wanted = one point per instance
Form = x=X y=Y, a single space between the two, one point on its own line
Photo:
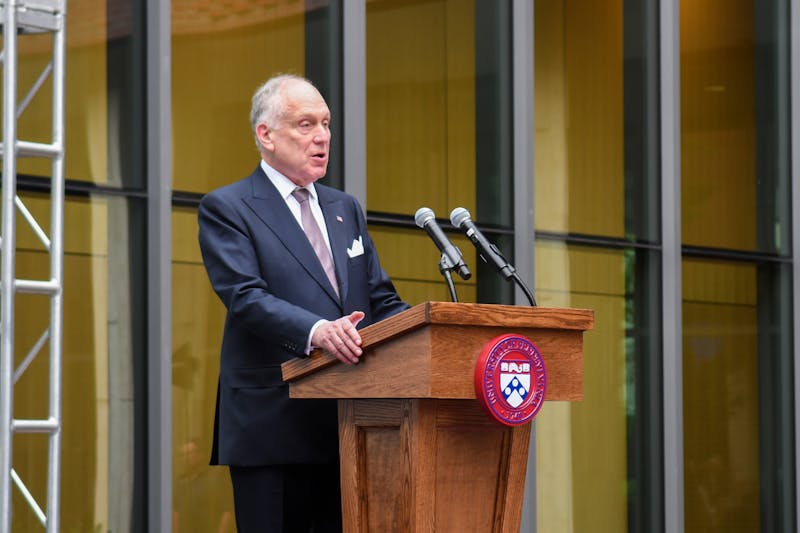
x=522 y=66
x=354 y=98
x=671 y=286
x=794 y=128
x=159 y=273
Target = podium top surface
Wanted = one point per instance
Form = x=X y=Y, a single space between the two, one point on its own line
x=453 y=314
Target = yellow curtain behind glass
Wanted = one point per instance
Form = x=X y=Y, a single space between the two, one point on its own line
x=579 y=117
x=84 y=461
x=201 y=493
x=86 y=116
x=420 y=106
x=411 y=260
x=718 y=184
x=720 y=397
x=420 y=133
x=219 y=57
x=581 y=447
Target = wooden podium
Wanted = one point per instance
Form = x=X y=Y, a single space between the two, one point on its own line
x=418 y=453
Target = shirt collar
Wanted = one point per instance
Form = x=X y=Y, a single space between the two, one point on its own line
x=284 y=185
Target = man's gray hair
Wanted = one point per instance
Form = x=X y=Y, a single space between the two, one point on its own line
x=267 y=104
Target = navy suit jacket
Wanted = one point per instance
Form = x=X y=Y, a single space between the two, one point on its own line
x=264 y=270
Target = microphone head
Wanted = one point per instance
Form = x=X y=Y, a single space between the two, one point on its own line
x=423 y=216
x=458 y=216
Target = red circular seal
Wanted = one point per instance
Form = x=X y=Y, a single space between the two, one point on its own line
x=510 y=379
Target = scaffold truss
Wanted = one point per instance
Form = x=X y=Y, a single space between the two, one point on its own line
x=21 y=18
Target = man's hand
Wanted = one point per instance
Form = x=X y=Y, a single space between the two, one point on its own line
x=340 y=338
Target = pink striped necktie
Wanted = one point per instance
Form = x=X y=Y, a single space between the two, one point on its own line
x=314 y=235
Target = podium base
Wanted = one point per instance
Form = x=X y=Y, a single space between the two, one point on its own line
x=425 y=465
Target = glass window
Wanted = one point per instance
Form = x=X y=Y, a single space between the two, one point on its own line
x=103 y=333
x=733 y=136
x=721 y=418
x=420 y=106
x=599 y=461
x=414 y=274
x=202 y=494
x=718 y=124
x=738 y=421
x=737 y=365
x=579 y=164
x=581 y=447
x=438 y=133
x=99 y=341
x=87 y=101
x=220 y=55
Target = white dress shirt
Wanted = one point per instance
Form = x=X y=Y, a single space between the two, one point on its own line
x=285 y=188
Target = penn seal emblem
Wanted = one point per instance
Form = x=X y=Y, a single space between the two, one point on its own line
x=510 y=379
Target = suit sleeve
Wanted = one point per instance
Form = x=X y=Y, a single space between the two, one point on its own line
x=229 y=254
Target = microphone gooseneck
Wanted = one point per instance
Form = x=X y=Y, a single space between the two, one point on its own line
x=426 y=219
x=460 y=218
x=491 y=255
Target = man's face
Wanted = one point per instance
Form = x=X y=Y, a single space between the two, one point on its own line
x=298 y=146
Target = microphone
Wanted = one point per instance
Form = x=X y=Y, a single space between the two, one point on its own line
x=460 y=218
x=426 y=220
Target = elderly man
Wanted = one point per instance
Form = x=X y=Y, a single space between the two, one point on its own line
x=296 y=269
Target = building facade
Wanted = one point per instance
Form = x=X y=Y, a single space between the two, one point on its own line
x=637 y=158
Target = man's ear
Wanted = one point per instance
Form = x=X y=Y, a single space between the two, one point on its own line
x=264 y=135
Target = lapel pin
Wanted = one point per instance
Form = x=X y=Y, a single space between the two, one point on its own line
x=340 y=219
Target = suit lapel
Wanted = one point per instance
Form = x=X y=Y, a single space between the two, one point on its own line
x=268 y=205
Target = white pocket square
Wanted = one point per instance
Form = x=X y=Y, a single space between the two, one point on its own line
x=356 y=249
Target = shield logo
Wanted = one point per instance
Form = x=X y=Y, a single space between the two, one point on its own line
x=514 y=386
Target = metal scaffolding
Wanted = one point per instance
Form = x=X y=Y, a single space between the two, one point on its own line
x=20 y=18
